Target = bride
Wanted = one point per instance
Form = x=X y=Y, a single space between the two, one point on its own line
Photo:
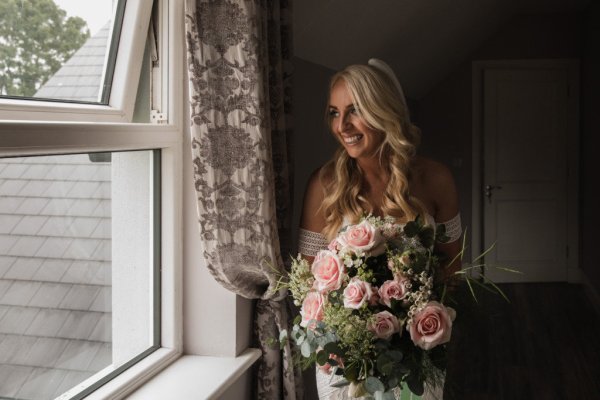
x=375 y=170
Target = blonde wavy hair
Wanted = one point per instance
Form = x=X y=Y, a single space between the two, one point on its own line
x=382 y=107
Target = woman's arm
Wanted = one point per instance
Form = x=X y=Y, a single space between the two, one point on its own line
x=445 y=196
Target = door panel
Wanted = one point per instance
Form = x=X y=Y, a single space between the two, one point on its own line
x=525 y=163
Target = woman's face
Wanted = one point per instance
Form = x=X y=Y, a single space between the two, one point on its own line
x=359 y=140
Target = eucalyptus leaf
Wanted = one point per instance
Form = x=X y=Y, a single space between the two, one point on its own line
x=393 y=382
x=373 y=385
x=411 y=229
x=305 y=349
x=389 y=395
x=396 y=355
x=334 y=348
x=322 y=357
x=340 y=383
x=415 y=385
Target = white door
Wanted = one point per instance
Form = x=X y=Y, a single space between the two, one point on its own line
x=525 y=160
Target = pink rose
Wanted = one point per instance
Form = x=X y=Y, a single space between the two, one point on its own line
x=328 y=271
x=395 y=289
x=362 y=237
x=432 y=325
x=312 y=308
x=333 y=245
x=385 y=325
x=358 y=293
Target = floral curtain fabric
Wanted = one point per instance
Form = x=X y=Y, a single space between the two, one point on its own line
x=239 y=60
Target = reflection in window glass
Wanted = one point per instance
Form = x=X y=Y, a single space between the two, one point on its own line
x=54 y=49
x=76 y=269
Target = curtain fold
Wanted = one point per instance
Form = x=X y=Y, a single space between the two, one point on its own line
x=239 y=68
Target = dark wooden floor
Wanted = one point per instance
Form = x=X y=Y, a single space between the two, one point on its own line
x=544 y=344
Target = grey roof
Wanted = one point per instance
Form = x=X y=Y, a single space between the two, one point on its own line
x=80 y=78
x=55 y=274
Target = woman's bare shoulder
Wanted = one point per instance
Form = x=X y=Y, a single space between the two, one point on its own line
x=431 y=172
x=437 y=183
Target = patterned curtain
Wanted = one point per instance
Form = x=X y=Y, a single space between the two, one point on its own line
x=239 y=62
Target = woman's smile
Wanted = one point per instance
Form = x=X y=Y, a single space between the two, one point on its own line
x=357 y=137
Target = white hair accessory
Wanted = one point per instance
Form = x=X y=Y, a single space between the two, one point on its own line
x=386 y=69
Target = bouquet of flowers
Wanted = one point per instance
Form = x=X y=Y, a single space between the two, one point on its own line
x=371 y=309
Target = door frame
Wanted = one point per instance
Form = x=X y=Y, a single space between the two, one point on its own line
x=572 y=67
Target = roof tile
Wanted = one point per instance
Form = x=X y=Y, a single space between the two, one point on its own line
x=6 y=243
x=103 y=358
x=82 y=249
x=52 y=270
x=59 y=189
x=12 y=378
x=8 y=222
x=103 y=251
x=78 y=355
x=54 y=247
x=48 y=322
x=35 y=188
x=14 y=349
x=24 y=268
x=103 y=330
x=26 y=246
x=80 y=297
x=41 y=383
x=72 y=379
x=83 y=272
x=103 y=301
x=8 y=205
x=58 y=207
x=13 y=171
x=32 y=206
x=17 y=319
x=83 y=190
x=56 y=226
x=35 y=171
x=20 y=293
x=79 y=324
x=11 y=187
x=29 y=225
x=50 y=295
x=83 y=227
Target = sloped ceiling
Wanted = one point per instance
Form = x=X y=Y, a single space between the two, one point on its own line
x=423 y=40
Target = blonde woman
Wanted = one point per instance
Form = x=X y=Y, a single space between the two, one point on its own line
x=375 y=170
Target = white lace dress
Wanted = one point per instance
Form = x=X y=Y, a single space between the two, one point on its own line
x=309 y=244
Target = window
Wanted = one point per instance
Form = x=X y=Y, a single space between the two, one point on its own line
x=49 y=54
x=89 y=194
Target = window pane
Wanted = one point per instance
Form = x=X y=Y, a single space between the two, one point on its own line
x=55 y=49
x=76 y=269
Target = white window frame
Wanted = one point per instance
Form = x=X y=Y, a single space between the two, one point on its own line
x=29 y=128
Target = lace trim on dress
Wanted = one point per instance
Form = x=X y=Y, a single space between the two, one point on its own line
x=453 y=228
x=310 y=243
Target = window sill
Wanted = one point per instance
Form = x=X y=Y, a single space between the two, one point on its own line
x=197 y=377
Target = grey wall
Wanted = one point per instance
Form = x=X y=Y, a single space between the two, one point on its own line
x=313 y=144
x=590 y=143
x=445 y=114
